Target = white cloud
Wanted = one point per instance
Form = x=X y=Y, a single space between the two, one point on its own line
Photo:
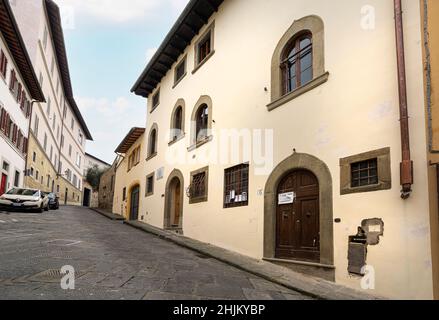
x=104 y=106
x=122 y=11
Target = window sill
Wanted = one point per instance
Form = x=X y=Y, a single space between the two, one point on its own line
x=371 y=188
x=176 y=139
x=199 y=65
x=151 y=156
x=200 y=143
x=149 y=195
x=299 y=91
x=179 y=80
x=198 y=200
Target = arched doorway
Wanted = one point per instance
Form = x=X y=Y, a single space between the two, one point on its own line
x=297 y=217
x=302 y=174
x=174 y=198
x=134 y=203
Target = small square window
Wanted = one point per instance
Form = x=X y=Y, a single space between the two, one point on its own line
x=156 y=100
x=180 y=71
x=364 y=173
x=149 y=185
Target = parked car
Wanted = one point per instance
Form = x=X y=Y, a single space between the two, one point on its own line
x=24 y=199
x=53 y=201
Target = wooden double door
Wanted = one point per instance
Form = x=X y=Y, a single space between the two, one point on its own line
x=298 y=221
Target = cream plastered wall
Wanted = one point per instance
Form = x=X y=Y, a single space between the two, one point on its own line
x=354 y=112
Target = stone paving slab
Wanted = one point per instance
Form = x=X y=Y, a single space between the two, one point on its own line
x=286 y=278
x=113 y=261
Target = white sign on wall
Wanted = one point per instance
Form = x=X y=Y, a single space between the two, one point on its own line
x=287 y=198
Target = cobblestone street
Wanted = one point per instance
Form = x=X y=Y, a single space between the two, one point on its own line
x=112 y=261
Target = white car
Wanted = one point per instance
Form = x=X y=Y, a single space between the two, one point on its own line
x=24 y=199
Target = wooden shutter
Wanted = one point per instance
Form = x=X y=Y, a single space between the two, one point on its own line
x=18 y=96
x=12 y=82
x=25 y=140
x=2 y=119
x=3 y=64
x=14 y=133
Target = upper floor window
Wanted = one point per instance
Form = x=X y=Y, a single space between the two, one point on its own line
x=152 y=142
x=3 y=64
x=134 y=158
x=204 y=47
x=45 y=36
x=297 y=63
x=155 y=100
x=201 y=124
x=201 y=121
x=72 y=124
x=180 y=71
x=177 y=124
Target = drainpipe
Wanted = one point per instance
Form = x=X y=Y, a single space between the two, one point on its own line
x=407 y=163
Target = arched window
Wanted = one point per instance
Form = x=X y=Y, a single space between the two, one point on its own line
x=152 y=142
x=297 y=63
x=202 y=122
x=177 y=124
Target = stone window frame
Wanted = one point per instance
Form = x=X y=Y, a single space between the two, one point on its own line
x=183 y=61
x=209 y=30
x=153 y=95
x=384 y=172
x=194 y=144
x=151 y=175
x=154 y=154
x=312 y=24
x=204 y=198
x=180 y=103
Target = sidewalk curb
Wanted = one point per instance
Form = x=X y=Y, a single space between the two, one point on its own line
x=111 y=216
x=307 y=285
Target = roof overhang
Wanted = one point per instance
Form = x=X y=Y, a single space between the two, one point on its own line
x=55 y=26
x=17 y=48
x=129 y=140
x=194 y=17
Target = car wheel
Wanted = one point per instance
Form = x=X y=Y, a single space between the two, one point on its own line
x=46 y=208
x=41 y=210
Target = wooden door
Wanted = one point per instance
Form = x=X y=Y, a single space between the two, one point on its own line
x=177 y=203
x=134 y=210
x=298 y=225
x=3 y=184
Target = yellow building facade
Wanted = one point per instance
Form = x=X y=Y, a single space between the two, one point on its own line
x=430 y=12
x=42 y=175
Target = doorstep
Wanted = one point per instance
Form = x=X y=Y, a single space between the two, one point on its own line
x=109 y=215
x=311 y=286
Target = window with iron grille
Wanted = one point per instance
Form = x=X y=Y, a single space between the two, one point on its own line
x=297 y=65
x=364 y=173
x=199 y=186
x=236 y=181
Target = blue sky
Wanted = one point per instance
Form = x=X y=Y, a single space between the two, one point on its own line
x=109 y=43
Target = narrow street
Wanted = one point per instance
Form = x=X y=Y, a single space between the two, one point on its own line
x=112 y=261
